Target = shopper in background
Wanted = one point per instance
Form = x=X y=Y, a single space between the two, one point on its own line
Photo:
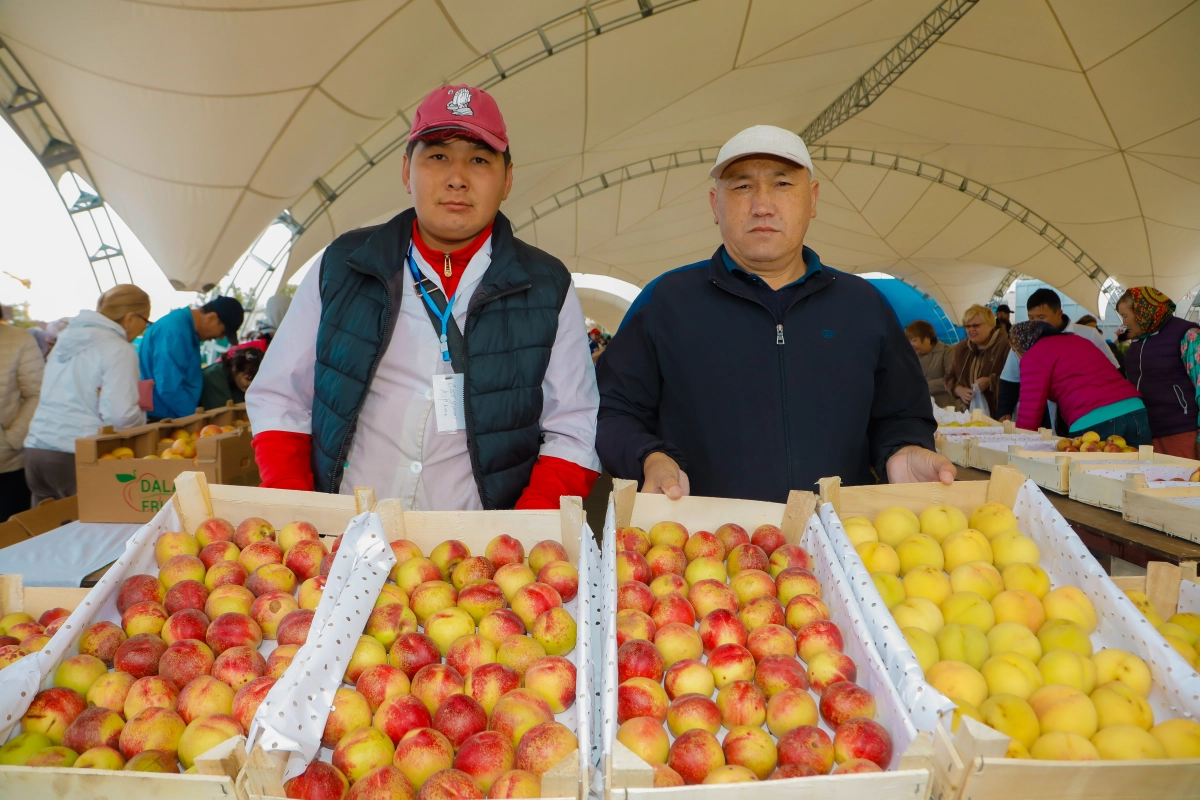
x=802 y=374
x=170 y=353
x=979 y=360
x=21 y=368
x=1091 y=395
x=1004 y=316
x=936 y=359
x=1155 y=366
x=276 y=309
x=91 y=380
x=1044 y=305
x=1191 y=362
x=228 y=378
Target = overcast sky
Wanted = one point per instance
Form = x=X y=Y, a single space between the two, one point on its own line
x=39 y=243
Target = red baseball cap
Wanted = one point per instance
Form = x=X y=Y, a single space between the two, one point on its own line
x=464 y=109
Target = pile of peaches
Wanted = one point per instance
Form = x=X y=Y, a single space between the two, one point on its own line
x=725 y=630
x=1010 y=651
x=453 y=687
x=182 y=671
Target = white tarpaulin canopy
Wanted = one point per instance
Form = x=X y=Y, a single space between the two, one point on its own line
x=1070 y=129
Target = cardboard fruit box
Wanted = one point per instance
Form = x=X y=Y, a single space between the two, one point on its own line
x=135 y=489
x=970 y=763
x=628 y=776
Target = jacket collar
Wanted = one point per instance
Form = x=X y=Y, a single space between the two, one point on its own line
x=385 y=250
x=817 y=277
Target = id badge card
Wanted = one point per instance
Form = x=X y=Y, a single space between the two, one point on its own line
x=448 y=403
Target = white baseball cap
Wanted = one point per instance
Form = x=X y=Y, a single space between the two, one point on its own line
x=763 y=140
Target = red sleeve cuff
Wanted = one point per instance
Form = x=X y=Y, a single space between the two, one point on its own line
x=284 y=460
x=554 y=478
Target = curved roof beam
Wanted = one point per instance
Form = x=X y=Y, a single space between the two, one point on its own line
x=851 y=155
x=26 y=110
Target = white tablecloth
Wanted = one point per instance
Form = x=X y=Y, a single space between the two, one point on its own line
x=66 y=555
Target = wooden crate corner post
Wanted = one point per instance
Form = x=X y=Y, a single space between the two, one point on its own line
x=624 y=495
x=629 y=770
x=192 y=500
x=563 y=779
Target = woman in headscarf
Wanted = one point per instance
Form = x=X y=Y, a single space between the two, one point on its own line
x=91 y=380
x=1072 y=372
x=1156 y=368
x=979 y=359
x=230 y=376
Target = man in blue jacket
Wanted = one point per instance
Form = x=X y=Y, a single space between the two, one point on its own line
x=170 y=353
x=762 y=370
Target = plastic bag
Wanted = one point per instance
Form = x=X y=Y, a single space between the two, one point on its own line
x=980 y=402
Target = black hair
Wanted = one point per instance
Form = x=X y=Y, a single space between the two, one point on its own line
x=1044 y=297
x=412 y=145
x=245 y=360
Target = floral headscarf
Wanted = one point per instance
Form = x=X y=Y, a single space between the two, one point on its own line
x=1150 y=308
x=1025 y=335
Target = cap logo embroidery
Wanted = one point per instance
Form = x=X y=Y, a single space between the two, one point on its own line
x=459 y=105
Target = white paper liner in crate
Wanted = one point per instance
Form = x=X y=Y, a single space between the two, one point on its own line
x=598 y=608
x=943 y=416
x=292 y=716
x=1189 y=597
x=20 y=681
x=1176 y=691
x=843 y=610
x=1028 y=441
x=606 y=699
x=967 y=433
x=925 y=706
x=1158 y=476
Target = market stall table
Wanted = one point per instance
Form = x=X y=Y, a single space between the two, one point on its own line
x=1108 y=535
x=68 y=555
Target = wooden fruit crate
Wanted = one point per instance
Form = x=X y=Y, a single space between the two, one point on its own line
x=1093 y=481
x=988 y=458
x=1053 y=470
x=955 y=443
x=1171 y=510
x=627 y=776
x=227 y=771
x=1172 y=588
x=970 y=763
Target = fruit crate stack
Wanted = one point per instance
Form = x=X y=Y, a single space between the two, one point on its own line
x=197 y=620
x=446 y=711
x=955 y=442
x=835 y=711
x=1050 y=467
x=990 y=451
x=1013 y=624
x=1103 y=482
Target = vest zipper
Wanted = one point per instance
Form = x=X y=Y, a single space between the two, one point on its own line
x=446 y=266
x=778 y=334
x=339 y=465
x=468 y=417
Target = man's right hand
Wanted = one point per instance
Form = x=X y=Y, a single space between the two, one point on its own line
x=663 y=476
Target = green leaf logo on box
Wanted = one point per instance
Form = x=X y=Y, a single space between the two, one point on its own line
x=147 y=493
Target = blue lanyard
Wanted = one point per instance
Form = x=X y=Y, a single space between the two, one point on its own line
x=444 y=316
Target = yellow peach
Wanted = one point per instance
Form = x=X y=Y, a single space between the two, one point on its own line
x=896 y=524
x=1116 y=703
x=1013 y=637
x=992 y=518
x=860 y=532
x=956 y=679
x=1014 y=547
x=928 y=582
x=1012 y=716
x=1179 y=632
x=965 y=546
x=1187 y=619
x=1063 y=634
x=969 y=609
x=917 y=612
x=1117 y=665
x=1020 y=606
x=965 y=643
x=1027 y=577
x=879 y=557
x=1064 y=709
x=1069 y=602
x=889 y=587
x=1063 y=746
x=1011 y=673
x=941 y=521
x=923 y=645
x=1180 y=738
x=963 y=709
x=1068 y=668
x=1126 y=743
x=919 y=550
x=1184 y=649
x=979 y=577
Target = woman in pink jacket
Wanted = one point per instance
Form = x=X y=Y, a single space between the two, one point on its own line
x=1072 y=372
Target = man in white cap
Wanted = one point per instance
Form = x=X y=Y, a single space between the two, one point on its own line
x=804 y=373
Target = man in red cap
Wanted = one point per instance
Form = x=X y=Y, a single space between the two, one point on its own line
x=435 y=358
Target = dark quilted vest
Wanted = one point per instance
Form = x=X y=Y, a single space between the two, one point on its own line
x=511 y=325
x=1155 y=366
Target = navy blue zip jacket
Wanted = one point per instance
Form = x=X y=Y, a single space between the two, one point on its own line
x=753 y=401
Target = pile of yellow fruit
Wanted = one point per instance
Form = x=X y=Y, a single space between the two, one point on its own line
x=1182 y=631
x=1009 y=651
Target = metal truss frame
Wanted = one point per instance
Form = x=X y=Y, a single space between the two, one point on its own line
x=26 y=110
x=849 y=155
x=884 y=72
